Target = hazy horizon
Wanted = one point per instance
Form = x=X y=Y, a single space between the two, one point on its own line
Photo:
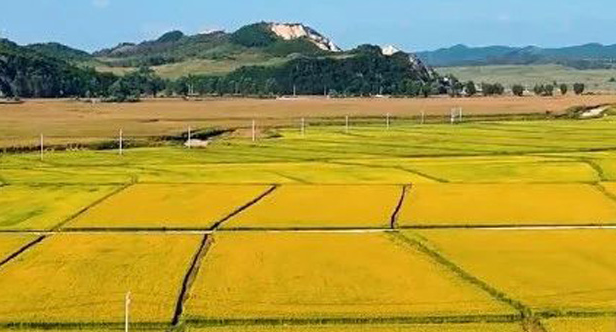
x=412 y=25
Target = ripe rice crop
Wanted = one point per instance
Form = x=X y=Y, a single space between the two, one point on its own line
x=327 y=206
x=168 y=206
x=610 y=187
x=548 y=270
x=9 y=243
x=469 y=327
x=260 y=275
x=84 y=278
x=506 y=204
x=603 y=324
x=43 y=207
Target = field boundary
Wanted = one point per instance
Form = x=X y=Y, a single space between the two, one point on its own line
x=393 y=221
x=241 y=209
x=548 y=314
x=425 y=175
x=600 y=187
x=596 y=167
x=610 y=225
x=203 y=231
x=63 y=326
x=342 y=162
x=21 y=250
x=436 y=320
x=189 y=278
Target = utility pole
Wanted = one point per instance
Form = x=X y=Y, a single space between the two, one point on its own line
x=453 y=116
x=189 y=143
x=126 y=311
x=121 y=142
x=461 y=114
x=423 y=117
x=42 y=144
x=303 y=127
x=388 y=121
x=294 y=91
x=254 y=131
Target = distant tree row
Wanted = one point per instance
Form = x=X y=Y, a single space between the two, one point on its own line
x=489 y=89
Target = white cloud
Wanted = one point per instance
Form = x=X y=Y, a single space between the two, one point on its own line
x=100 y=3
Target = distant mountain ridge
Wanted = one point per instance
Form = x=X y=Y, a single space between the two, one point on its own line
x=264 y=39
x=587 y=56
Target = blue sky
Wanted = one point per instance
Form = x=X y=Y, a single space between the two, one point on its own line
x=409 y=24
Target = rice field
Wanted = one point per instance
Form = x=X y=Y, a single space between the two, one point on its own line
x=84 y=279
x=327 y=276
x=156 y=206
x=549 y=271
x=506 y=204
x=44 y=207
x=469 y=327
x=602 y=324
x=321 y=206
x=504 y=225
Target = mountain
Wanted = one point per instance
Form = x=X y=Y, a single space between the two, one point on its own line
x=261 y=41
x=60 y=51
x=32 y=72
x=366 y=70
x=588 y=56
x=258 y=59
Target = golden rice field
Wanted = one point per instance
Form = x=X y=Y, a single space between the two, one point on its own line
x=322 y=206
x=304 y=231
x=84 y=278
x=506 y=204
x=602 y=324
x=469 y=327
x=490 y=169
x=44 y=207
x=9 y=243
x=317 y=275
x=157 y=206
x=548 y=270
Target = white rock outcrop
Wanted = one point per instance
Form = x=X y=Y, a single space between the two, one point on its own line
x=390 y=50
x=295 y=31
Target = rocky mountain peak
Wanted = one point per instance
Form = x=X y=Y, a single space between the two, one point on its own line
x=290 y=31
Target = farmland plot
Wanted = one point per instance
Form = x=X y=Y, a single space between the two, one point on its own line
x=84 y=278
x=258 y=275
x=506 y=204
x=43 y=207
x=553 y=271
x=169 y=206
x=469 y=327
x=322 y=206
x=603 y=324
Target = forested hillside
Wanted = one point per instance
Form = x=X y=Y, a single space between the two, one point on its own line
x=25 y=72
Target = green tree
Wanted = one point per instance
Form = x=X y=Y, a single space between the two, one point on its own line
x=549 y=90
x=564 y=88
x=539 y=89
x=470 y=88
x=518 y=90
x=579 y=88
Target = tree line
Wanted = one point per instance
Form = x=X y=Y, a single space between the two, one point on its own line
x=470 y=89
